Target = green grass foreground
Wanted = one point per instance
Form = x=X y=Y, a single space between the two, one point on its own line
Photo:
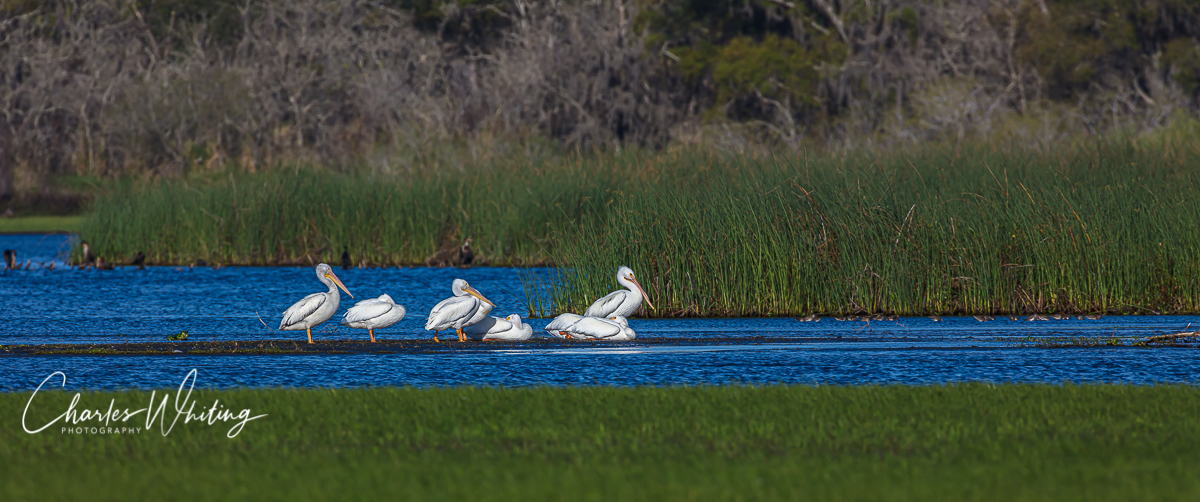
x=40 y=224
x=962 y=442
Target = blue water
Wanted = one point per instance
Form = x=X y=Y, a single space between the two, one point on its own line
x=76 y=306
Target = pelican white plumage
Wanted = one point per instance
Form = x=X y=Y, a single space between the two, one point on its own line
x=465 y=308
x=562 y=322
x=494 y=328
x=620 y=303
x=615 y=328
x=316 y=308
x=374 y=313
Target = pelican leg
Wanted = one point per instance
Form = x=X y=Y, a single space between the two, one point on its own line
x=372 y=332
x=309 y=330
x=461 y=336
x=435 y=338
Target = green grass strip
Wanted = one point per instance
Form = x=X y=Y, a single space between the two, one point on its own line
x=40 y=224
x=961 y=442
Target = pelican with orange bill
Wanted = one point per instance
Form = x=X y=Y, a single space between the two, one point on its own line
x=620 y=303
x=316 y=308
x=465 y=308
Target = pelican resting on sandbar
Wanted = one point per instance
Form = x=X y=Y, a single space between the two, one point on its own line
x=373 y=313
x=316 y=308
x=615 y=328
x=465 y=308
x=494 y=328
x=620 y=303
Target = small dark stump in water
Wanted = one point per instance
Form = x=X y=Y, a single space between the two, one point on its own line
x=345 y=258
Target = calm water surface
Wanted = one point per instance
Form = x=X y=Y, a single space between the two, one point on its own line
x=72 y=306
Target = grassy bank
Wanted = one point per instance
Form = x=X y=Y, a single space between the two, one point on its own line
x=1101 y=227
x=40 y=224
x=972 y=442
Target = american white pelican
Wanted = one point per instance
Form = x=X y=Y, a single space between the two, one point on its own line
x=465 y=308
x=620 y=303
x=562 y=322
x=494 y=328
x=615 y=328
x=316 y=308
x=373 y=313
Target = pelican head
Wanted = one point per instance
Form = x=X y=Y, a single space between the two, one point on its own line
x=326 y=276
x=620 y=320
x=461 y=288
x=626 y=278
x=514 y=319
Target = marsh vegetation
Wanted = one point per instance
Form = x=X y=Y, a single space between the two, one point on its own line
x=1099 y=227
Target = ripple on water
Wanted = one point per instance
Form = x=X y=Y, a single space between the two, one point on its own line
x=71 y=306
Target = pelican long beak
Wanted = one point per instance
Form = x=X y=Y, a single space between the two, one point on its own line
x=639 y=286
x=476 y=294
x=339 y=283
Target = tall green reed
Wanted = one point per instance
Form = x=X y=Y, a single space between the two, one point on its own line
x=1104 y=227
x=1113 y=228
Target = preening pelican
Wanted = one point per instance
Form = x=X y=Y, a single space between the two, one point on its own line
x=615 y=328
x=316 y=308
x=373 y=313
x=465 y=308
x=495 y=328
x=620 y=303
x=562 y=322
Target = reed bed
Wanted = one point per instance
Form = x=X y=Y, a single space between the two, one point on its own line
x=1111 y=228
x=1104 y=227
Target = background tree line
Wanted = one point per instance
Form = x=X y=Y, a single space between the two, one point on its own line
x=110 y=88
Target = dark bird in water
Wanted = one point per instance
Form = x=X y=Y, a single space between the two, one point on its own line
x=982 y=318
x=1059 y=317
x=809 y=318
x=892 y=317
x=345 y=258
x=1038 y=317
x=1014 y=318
x=10 y=259
x=465 y=255
x=1093 y=317
x=139 y=260
x=100 y=265
x=935 y=318
x=89 y=259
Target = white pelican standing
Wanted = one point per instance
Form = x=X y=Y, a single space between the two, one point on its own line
x=620 y=303
x=373 y=313
x=465 y=308
x=615 y=328
x=316 y=308
x=494 y=328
